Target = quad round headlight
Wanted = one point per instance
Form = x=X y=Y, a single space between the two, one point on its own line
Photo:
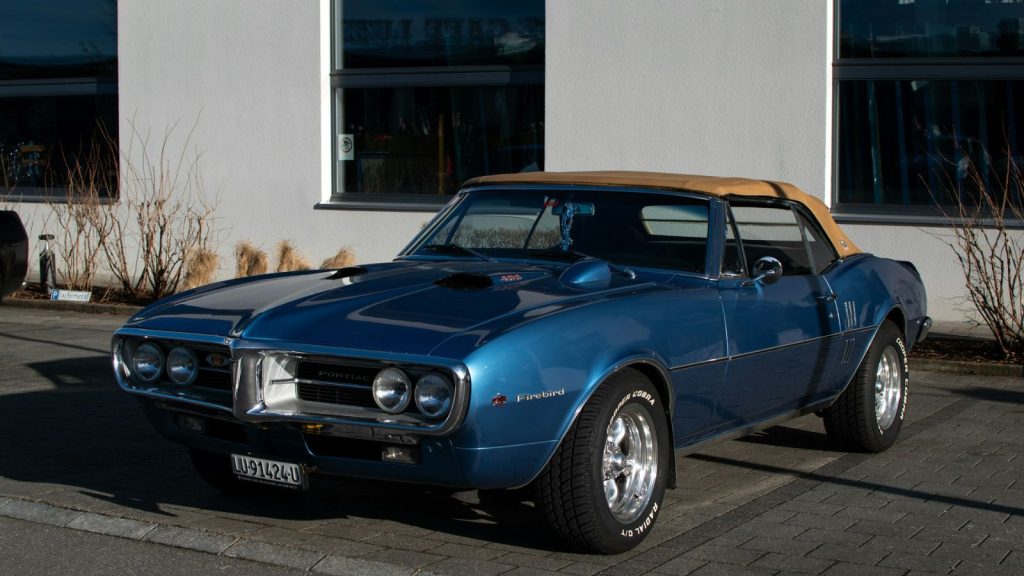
x=147 y=362
x=434 y=395
x=392 y=390
x=182 y=366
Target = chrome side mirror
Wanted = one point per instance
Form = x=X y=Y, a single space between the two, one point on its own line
x=767 y=270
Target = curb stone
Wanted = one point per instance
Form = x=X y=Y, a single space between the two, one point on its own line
x=56 y=305
x=198 y=540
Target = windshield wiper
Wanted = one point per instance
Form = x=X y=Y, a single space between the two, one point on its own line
x=574 y=256
x=456 y=250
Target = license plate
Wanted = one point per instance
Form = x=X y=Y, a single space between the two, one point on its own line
x=268 y=471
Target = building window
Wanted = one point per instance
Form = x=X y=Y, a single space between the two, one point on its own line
x=429 y=93
x=58 y=91
x=925 y=90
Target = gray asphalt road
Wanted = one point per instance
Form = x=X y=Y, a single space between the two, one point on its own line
x=27 y=548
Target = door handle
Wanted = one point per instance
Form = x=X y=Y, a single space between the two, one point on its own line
x=828 y=298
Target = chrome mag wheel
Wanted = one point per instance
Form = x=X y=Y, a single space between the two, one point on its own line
x=630 y=463
x=888 y=387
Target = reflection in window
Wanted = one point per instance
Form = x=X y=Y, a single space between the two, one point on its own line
x=430 y=93
x=927 y=94
x=430 y=140
x=58 y=89
x=384 y=33
x=908 y=142
x=916 y=28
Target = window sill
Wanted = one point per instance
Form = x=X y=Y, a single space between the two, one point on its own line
x=920 y=216
x=375 y=205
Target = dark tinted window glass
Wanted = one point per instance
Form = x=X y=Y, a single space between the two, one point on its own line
x=922 y=28
x=819 y=246
x=430 y=140
x=385 y=33
x=913 y=142
x=772 y=231
x=732 y=261
x=632 y=229
x=58 y=89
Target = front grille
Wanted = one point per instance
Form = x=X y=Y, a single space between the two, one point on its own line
x=340 y=384
x=328 y=394
x=212 y=373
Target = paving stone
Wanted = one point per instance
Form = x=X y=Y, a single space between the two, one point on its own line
x=273 y=554
x=41 y=513
x=123 y=527
x=849 y=554
x=344 y=566
x=190 y=539
x=850 y=569
x=466 y=567
x=793 y=563
x=721 y=569
x=712 y=553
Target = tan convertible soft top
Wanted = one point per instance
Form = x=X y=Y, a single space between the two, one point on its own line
x=711 y=185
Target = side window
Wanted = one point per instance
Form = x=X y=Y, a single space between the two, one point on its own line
x=822 y=253
x=773 y=230
x=732 y=260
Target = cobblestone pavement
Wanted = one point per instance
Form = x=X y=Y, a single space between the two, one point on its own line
x=948 y=498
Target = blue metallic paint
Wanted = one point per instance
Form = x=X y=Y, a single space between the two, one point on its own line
x=732 y=356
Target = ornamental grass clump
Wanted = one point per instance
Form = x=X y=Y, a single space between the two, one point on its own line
x=344 y=258
x=289 y=259
x=200 y=268
x=249 y=260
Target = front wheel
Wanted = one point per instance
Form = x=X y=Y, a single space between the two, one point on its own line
x=868 y=415
x=603 y=487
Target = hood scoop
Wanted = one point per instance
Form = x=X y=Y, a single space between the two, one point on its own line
x=482 y=281
x=347 y=272
x=466 y=281
x=588 y=273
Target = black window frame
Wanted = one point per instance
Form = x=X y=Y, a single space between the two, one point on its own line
x=454 y=76
x=945 y=68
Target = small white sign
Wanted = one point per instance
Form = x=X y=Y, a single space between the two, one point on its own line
x=71 y=295
x=346 y=147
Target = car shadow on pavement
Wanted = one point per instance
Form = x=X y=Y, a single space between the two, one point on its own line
x=85 y=444
x=993 y=394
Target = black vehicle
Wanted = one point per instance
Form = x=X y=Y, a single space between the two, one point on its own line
x=13 y=252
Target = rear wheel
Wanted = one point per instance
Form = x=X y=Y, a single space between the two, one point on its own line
x=603 y=487
x=869 y=414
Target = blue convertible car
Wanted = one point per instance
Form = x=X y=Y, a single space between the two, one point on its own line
x=569 y=332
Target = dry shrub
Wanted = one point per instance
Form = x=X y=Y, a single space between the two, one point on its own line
x=987 y=206
x=345 y=257
x=169 y=214
x=289 y=259
x=249 y=260
x=84 y=216
x=200 y=267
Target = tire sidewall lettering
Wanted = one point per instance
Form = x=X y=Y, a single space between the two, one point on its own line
x=644 y=524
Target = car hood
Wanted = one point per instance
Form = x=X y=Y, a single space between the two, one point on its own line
x=402 y=307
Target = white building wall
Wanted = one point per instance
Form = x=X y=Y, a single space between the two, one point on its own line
x=252 y=75
x=731 y=87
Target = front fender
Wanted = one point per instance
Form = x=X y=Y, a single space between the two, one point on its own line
x=530 y=384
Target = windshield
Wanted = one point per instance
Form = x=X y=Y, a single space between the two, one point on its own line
x=638 y=229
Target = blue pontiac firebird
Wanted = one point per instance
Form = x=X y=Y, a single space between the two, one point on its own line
x=570 y=332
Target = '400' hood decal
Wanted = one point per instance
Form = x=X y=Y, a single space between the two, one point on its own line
x=408 y=307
